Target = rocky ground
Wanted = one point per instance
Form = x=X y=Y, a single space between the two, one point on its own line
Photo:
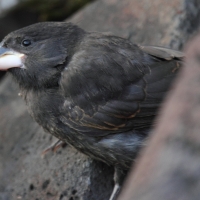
x=68 y=174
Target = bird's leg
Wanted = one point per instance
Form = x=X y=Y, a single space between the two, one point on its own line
x=115 y=192
x=54 y=146
x=119 y=176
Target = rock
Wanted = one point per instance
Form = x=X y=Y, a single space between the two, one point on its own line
x=169 y=167
x=68 y=174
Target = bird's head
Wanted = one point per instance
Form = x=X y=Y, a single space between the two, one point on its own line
x=37 y=54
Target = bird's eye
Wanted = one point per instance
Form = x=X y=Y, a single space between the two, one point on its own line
x=26 y=42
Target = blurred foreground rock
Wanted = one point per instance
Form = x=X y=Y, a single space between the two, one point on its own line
x=68 y=174
x=170 y=165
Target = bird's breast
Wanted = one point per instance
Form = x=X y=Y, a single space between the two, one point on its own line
x=115 y=149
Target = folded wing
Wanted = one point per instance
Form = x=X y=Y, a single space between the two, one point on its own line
x=117 y=86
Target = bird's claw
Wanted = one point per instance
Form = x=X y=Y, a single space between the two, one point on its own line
x=54 y=147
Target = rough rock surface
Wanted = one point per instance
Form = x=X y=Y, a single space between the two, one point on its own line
x=68 y=174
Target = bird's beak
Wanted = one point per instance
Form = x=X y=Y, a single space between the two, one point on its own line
x=10 y=59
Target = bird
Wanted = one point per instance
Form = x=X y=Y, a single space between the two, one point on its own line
x=98 y=92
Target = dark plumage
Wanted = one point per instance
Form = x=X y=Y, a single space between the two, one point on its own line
x=98 y=92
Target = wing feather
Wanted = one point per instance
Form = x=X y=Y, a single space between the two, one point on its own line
x=118 y=88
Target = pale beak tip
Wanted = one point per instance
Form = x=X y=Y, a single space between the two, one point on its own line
x=10 y=61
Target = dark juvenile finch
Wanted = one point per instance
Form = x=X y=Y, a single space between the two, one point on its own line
x=98 y=92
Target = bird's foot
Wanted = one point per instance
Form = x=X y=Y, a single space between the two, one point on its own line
x=119 y=176
x=115 y=192
x=54 y=146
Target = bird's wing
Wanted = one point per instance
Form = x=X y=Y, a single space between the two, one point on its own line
x=161 y=52
x=110 y=89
